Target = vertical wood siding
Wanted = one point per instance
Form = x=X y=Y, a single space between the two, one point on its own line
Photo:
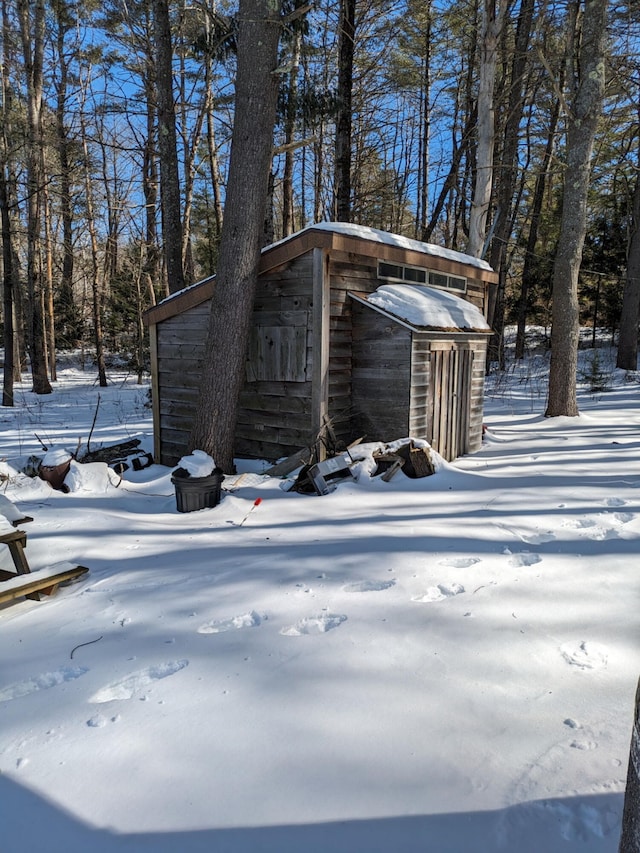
x=377 y=377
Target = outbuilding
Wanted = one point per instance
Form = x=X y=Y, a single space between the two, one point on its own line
x=372 y=334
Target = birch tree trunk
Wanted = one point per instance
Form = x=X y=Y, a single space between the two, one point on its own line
x=242 y=229
x=585 y=112
x=96 y=283
x=491 y=25
x=288 y=207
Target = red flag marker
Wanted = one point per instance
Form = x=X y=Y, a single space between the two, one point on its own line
x=256 y=503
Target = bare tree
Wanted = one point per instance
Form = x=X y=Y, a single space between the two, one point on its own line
x=251 y=147
x=584 y=114
x=168 y=148
x=629 y=316
x=492 y=20
x=346 y=47
x=32 y=33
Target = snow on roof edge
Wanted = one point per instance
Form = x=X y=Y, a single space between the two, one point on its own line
x=386 y=237
x=365 y=233
x=424 y=307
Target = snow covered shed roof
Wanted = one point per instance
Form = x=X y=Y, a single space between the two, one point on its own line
x=374 y=235
x=425 y=308
x=338 y=237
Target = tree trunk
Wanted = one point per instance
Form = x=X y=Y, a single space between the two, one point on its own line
x=629 y=316
x=288 y=208
x=346 y=38
x=507 y=178
x=212 y=150
x=528 y=269
x=422 y=206
x=168 y=149
x=9 y=277
x=582 y=122
x=630 y=839
x=491 y=25
x=8 y=284
x=96 y=284
x=68 y=320
x=150 y=190
x=232 y=302
x=32 y=35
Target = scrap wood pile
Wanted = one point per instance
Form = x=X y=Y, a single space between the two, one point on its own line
x=321 y=477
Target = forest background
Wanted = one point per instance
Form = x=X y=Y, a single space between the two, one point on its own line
x=115 y=140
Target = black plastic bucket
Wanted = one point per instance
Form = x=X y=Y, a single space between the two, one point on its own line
x=194 y=493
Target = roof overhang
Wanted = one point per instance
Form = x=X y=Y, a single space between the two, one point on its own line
x=336 y=237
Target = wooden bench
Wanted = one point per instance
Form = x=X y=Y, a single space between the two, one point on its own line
x=24 y=582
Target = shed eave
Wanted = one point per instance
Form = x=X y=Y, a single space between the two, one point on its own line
x=175 y=304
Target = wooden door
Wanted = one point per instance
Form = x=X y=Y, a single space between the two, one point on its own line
x=450 y=398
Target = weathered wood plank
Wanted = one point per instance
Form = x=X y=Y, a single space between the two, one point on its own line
x=46 y=581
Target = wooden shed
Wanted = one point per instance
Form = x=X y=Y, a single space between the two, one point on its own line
x=325 y=346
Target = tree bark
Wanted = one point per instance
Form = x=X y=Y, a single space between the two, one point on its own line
x=630 y=838
x=346 y=39
x=582 y=124
x=491 y=24
x=168 y=149
x=528 y=268
x=32 y=34
x=9 y=277
x=242 y=229
x=629 y=316
x=288 y=207
x=68 y=320
x=508 y=175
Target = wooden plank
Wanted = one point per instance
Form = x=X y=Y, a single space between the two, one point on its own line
x=275 y=420
x=278 y=389
x=264 y=403
x=281 y=317
x=180 y=367
x=44 y=580
x=16 y=542
x=186 y=348
x=277 y=353
x=192 y=296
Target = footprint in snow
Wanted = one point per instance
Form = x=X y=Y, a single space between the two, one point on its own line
x=585 y=655
x=368 y=586
x=578 y=523
x=314 y=625
x=41 y=682
x=614 y=502
x=220 y=626
x=99 y=721
x=459 y=562
x=623 y=517
x=583 y=745
x=524 y=558
x=127 y=687
x=600 y=534
x=439 y=593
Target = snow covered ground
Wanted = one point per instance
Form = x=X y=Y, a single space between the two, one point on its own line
x=444 y=665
